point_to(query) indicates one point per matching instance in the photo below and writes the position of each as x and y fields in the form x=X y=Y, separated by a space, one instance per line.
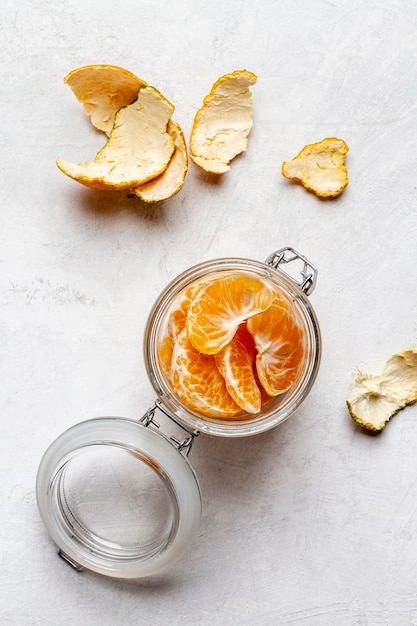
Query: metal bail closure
x=118 y=498
x=308 y=271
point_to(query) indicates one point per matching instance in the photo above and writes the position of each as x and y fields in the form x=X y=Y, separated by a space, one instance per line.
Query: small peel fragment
x=375 y=399
x=103 y=90
x=139 y=147
x=320 y=167
x=222 y=125
x=172 y=178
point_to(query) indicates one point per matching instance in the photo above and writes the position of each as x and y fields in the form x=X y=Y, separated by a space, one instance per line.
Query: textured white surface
x=314 y=523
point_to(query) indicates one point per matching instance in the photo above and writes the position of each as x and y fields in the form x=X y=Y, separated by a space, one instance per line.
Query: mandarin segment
x=165 y=350
x=235 y=363
x=198 y=383
x=218 y=309
x=180 y=307
x=279 y=342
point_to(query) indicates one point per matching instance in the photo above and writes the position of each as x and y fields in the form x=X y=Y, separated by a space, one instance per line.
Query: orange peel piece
x=320 y=167
x=139 y=147
x=375 y=399
x=222 y=125
x=171 y=181
x=103 y=90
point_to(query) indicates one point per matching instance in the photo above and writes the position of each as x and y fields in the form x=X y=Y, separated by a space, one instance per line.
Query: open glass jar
x=119 y=497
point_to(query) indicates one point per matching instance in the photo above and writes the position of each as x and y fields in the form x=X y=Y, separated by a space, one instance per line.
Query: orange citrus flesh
x=197 y=381
x=265 y=397
x=279 y=343
x=219 y=307
x=165 y=349
x=235 y=364
x=251 y=345
x=180 y=307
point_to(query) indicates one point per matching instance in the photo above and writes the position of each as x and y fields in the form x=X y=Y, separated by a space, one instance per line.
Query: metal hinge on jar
x=183 y=445
x=308 y=271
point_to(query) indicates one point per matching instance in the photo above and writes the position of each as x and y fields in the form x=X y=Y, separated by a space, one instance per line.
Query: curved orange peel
x=139 y=147
x=103 y=90
x=320 y=167
x=222 y=125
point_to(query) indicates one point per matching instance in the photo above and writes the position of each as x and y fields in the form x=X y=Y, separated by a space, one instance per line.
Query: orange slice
x=219 y=307
x=180 y=307
x=165 y=350
x=235 y=363
x=103 y=90
x=265 y=397
x=198 y=383
x=280 y=345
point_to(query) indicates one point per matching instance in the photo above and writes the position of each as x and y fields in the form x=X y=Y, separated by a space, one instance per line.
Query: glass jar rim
x=293 y=399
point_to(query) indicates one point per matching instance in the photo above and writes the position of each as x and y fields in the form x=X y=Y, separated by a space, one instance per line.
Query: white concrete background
x=315 y=522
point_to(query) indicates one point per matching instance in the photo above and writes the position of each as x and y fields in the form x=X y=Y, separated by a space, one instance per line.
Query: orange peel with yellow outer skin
x=139 y=147
x=222 y=125
x=376 y=398
x=103 y=90
x=320 y=167
x=171 y=181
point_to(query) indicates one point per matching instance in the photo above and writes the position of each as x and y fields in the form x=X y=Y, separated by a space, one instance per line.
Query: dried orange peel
x=231 y=344
x=320 y=167
x=375 y=399
x=103 y=90
x=146 y=151
x=139 y=147
x=170 y=182
x=222 y=125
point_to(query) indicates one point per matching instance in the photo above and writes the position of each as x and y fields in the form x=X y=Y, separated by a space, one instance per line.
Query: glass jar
x=118 y=496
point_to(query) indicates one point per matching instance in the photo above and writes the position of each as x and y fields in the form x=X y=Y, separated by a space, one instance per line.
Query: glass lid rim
x=179 y=475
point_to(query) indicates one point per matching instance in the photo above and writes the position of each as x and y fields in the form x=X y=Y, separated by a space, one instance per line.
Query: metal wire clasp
x=184 y=445
x=308 y=271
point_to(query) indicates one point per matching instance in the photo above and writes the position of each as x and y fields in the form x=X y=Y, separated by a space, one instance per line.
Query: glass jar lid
x=118 y=498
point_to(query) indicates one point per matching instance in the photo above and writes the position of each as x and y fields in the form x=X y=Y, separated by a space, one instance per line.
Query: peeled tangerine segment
x=320 y=167
x=279 y=342
x=171 y=181
x=180 y=307
x=219 y=307
x=235 y=363
x=375 y=399
x=197 y=381
x=103 y=90
x=139 y=147
x=221 y=127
